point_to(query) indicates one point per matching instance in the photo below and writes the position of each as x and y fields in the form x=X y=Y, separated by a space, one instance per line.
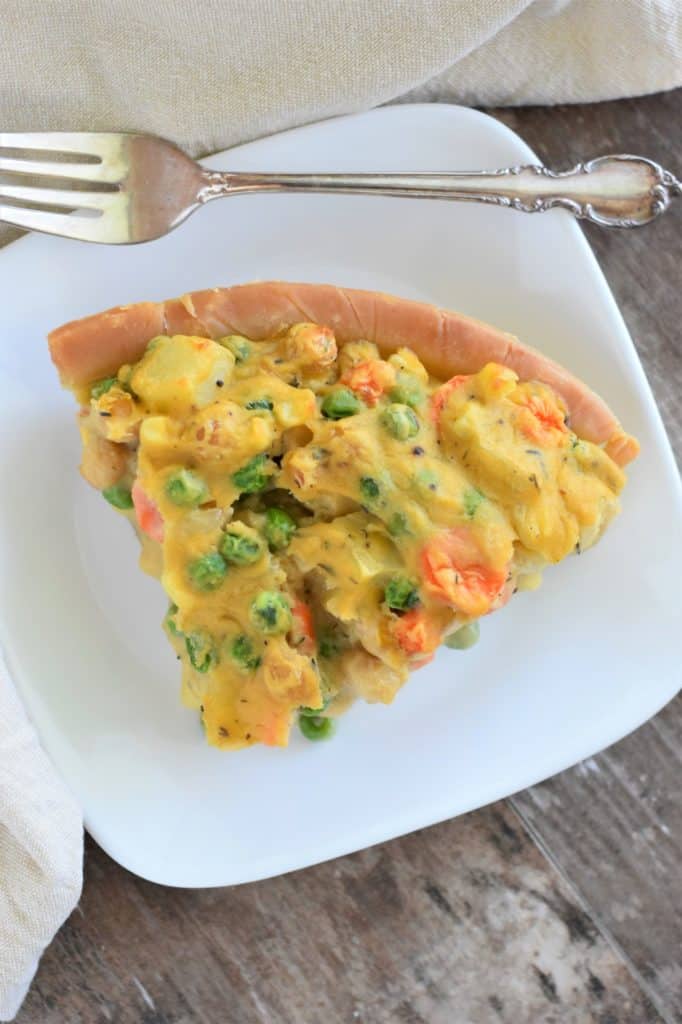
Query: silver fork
x=121 y=188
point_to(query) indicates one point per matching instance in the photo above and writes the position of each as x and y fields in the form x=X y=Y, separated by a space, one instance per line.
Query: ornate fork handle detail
x=622 y=190
x=658 y=187
x=123 y=188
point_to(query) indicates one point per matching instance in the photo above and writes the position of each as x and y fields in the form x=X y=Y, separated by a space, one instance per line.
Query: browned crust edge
x=447 y=342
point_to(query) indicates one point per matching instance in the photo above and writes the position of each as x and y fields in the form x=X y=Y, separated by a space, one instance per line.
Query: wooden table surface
x=561 y=904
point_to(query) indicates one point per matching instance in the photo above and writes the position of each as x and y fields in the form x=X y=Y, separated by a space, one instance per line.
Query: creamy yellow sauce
x=414 y=506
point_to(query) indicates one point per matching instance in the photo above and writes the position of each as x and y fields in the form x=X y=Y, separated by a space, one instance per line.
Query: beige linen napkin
x=209 y=74
x=41 y=850
x=212 y=73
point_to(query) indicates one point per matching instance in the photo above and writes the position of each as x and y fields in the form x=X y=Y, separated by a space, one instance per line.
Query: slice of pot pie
x=330 y=484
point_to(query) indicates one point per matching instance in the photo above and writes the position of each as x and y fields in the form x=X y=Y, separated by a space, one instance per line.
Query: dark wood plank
x=464 y=922
x=613 y=825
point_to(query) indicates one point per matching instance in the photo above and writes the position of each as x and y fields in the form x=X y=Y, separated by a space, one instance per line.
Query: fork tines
x=65 y=159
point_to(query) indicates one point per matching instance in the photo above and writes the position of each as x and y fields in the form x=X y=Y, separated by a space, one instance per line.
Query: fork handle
x=621 y=191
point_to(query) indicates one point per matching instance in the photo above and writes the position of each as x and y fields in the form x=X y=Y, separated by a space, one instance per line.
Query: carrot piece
x=454 y=572
x=274 y=731
x=417 y=634
x=370 y=379
x=147 y=512
x=542 y=421
x=441 y=394
x=302 y=632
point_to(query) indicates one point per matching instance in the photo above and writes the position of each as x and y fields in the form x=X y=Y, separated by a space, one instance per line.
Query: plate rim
x=340 y=844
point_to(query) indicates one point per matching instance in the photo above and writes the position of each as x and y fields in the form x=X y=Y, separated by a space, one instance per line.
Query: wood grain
x=464 y=922
x=561 y=905
x=613 y=825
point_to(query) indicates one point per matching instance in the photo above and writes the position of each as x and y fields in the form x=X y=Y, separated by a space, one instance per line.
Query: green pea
x=260 y=403
x=369 y=488
x=270 y=612
x=465 y=637
x=100 y=387
x=208 y=571
x=471 y=499
x=407 y=390
x=238 y=346
x=252 y=477
x=279 y=528
x=169 y=621
x=400 y=421
x=119 y=496
x=238 y=549
x=330 y=643
x=186 y=488
x=244 y=653
x=397 y=525
x=316 y=727
x=401 y=594
x=201 y=650
x=340 y=403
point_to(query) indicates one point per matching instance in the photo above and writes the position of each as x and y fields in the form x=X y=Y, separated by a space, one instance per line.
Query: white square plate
x=557 y=675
